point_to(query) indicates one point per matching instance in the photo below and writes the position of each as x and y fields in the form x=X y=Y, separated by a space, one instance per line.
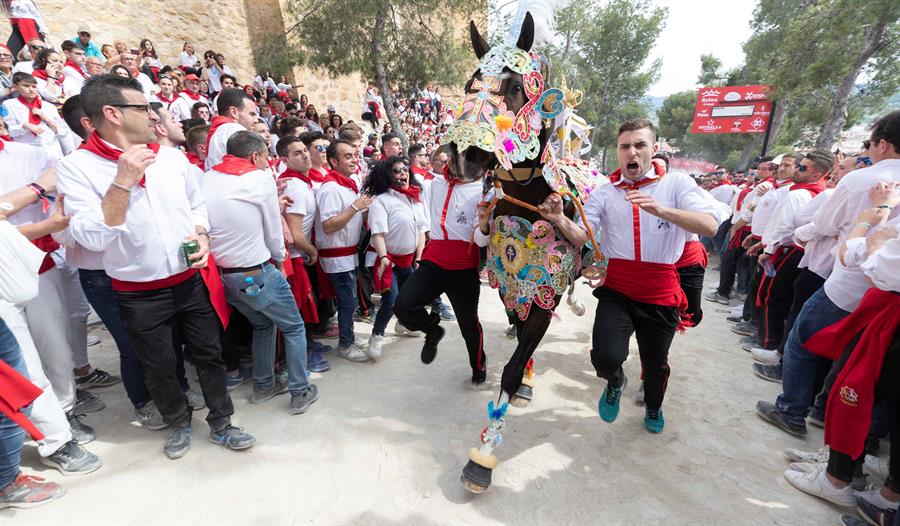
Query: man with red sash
x=248 y=243
x=643 y=218
x=762 y=204
x=188 y=97
x=338 y=228
x=237 y=112
x=31 y=121
x=301 y=217
x=135 y=202
x=74 y=69
x=449 y=266
x=777 y=293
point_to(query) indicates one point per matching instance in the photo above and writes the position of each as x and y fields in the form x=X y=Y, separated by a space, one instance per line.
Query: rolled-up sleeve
x=695 y=199
x=195 y=198
x=883 y=267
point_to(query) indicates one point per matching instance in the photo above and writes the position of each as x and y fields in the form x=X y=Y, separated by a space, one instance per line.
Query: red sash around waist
x=694 y=254
x=453 y=254
x=653 y=283
x=384 y=282
x=738 y=237
x=337 y=252
x=156 y=284
x=302 y=289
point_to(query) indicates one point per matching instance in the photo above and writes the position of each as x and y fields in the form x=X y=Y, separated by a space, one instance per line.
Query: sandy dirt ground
x=386 y=442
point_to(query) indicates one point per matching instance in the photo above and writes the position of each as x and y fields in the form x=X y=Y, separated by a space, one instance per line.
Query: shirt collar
x=651 y=174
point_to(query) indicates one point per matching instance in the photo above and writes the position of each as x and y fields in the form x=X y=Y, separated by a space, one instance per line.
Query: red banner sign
x=732 y=109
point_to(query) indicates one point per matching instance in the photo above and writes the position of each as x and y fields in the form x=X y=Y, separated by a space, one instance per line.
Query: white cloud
x=695 y=27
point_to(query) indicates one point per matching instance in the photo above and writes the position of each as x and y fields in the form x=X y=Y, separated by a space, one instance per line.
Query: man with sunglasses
x=136 y=202
x=35 y=45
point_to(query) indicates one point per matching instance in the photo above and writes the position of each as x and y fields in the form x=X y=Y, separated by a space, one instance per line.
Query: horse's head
x=500 y=120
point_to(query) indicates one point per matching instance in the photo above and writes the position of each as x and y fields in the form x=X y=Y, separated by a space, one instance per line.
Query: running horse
x=504 y=125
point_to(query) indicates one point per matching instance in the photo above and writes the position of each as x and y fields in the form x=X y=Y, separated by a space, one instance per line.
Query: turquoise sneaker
x=654 y=421
x=609 y=402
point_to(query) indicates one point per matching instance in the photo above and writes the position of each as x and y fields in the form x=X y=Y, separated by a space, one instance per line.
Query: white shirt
x=17 y=116
x=20 y=165
x=185 y=59
x=846 y=286
x=215 y=78
x=780 y=230
x=167 y=105
x=750 y=202
x=74 y=80
x=883 y=267
x=244 y=218
x=217 y=142
x=331 y=200
x=611 y=217
x=400 y=220
x=453 y=213
x=765 y=208
x=146 y=85
x=25 y=66
x=734 y=202
x=160 y=215
x=818 y=253
x=181 y=108
x=723 y=193
x=304 y=198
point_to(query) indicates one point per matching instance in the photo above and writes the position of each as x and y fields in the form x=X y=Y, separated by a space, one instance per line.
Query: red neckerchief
x=616 y=176
x=42 y=74
x=136 y=74
x=779 y=184
x=5 y=138
x=100 y=148
x=316 y=175
x=721 y=183
x=412 y=192
x=232 y=165
x=35 y=103
x=194 y=159
x=346 y=182
x=742 y=195
x=449 y=178
x=814 y=188
x=77 y=68
x=214 y=125
x=2 y=140
x=163 y=99
x=293 y=174
x=423 y=172
x=193 y=96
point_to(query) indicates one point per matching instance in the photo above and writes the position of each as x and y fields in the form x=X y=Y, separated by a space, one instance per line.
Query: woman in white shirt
x=398 y=222
x=187 y=61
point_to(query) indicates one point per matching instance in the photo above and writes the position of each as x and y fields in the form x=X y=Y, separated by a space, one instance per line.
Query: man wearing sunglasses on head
x=35 y=45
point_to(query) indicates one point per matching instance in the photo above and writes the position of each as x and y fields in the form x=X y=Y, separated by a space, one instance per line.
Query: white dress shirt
x=160 y=216
x=74 y=80
x=750 y=202
x=21 y=165
x=765 y=208
x=818 y=253
x=612 y=218
x=400 y=220
x=846 y=286
x=146 y=85
x=181 y=108
x=304 y=198
x=331 y=200
x=723 y=193
x=883 y=266
x=244 y=218
x=780 y=229
x=217 y=142
x=453 y=212
x=17 y=116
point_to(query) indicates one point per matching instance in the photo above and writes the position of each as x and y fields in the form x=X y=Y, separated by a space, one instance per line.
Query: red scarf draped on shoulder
x=316 y=175
x=42 y=74
x=849 y=409
x=194 y=159
x=77 y=68
x=422 y=172
x=167 y=101
x=293 y=174
x=33 y=105
x=214 y=125
x=346 y=182
x=191 y=95
x=210 y=274
x=233 y=165
x=412 y=192
x=813 y=188
x=616 y=176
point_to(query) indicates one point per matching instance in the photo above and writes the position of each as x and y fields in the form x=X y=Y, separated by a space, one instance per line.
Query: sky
x=695 y=27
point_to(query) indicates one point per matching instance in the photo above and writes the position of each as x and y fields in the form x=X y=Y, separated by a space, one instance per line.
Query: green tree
x=403 y=44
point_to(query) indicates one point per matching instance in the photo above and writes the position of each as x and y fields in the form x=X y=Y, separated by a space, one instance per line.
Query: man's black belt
x=237 y=270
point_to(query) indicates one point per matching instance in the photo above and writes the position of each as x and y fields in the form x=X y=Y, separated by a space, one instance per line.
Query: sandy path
x=386 y=442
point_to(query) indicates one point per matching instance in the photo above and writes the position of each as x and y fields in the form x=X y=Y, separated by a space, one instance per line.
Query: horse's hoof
x=519 y=402
x=475 y=477
x=523 y=396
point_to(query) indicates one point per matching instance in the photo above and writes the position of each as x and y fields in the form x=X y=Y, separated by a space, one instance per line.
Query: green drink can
x=189 y=248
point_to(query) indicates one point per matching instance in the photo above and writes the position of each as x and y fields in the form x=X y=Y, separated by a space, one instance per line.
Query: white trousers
x=46 y=412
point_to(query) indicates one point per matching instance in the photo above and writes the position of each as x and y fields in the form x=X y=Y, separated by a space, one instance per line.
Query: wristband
x=122 y=186
x=867 y=225
x=353 y=206
x=42 y=196
x=383 y=257
x=886 y=207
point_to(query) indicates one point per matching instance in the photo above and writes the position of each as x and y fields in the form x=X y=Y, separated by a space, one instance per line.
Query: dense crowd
x=233 y=227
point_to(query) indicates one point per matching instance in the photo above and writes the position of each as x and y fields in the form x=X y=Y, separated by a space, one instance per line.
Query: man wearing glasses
x=35 y=45
x=135 y=202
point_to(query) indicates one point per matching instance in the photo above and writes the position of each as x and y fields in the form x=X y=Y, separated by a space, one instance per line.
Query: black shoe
x=432 y=338
x=86 y=402
x=735 y=319
x=745 y=329
x=875 y=514
x=770 y=414
x=771 y=373
x=479 y=376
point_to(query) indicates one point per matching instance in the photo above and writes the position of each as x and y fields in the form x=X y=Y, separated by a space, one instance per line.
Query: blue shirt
x=90 y=49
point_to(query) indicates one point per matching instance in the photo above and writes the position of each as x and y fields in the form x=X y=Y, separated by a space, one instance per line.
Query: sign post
x=732 y=109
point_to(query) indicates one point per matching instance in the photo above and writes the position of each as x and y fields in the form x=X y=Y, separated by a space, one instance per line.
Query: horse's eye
x=516 y=88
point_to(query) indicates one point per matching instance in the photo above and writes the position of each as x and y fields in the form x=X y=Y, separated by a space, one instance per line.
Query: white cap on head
x=777 y=160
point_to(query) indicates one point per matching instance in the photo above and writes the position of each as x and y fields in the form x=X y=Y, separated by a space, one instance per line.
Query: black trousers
x=237 y=342
x=617 y=318
x=149 y=317
x=728 y=268
x=751 y=311
x=780 y=298
x=841 y=465
x=529 y=334
x=364 y=283
x=692 y=285
x=462 y=287
x=806 y=284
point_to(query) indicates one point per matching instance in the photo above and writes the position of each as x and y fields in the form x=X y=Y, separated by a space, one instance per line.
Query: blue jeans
x=386 y=309
x=801 y=370
x=345 y=286
x=273 y=307
x=11 y=435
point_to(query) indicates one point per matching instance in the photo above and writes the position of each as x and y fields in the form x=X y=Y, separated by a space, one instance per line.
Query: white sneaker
x=764 y=356
x=798 y=455
x=737 y=311
x=874 y=497
x=400 y=330
x=374 y=350
x=92 y=340
x=804 y=467
x=816 y=483
x=352 y=353
x=875 y=466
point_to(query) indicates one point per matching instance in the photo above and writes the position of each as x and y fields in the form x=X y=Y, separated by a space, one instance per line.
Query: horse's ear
x=526 y=34
x=479 y=44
